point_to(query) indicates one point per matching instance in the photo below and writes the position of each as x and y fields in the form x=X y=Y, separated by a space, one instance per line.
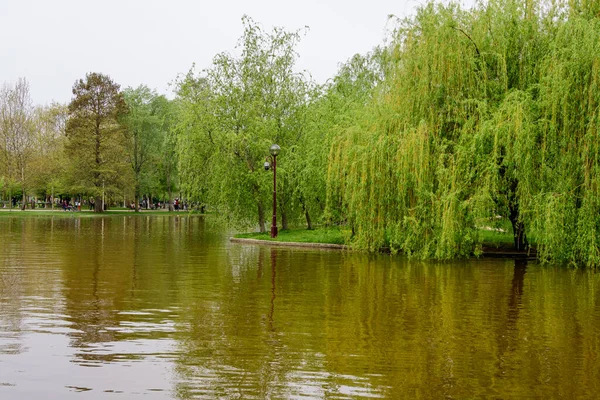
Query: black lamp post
x=274 y=150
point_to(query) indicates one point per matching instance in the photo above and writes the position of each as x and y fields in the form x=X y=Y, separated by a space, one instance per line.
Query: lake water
x=166 y=307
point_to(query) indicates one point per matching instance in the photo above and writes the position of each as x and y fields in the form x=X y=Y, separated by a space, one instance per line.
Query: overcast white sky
x=52 y=43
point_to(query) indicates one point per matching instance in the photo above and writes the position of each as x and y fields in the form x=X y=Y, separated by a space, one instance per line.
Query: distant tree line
x=461 y=119
x=106 y=141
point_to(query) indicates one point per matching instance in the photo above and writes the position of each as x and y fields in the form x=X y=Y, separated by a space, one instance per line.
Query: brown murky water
x=165 y=307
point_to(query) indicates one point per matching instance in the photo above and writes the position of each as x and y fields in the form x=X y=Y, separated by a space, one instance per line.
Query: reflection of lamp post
x=274 y=150
x=273 y=272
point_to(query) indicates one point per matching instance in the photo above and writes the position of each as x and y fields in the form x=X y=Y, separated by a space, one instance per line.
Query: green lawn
x=502 y=239
x=491 y=238
x=496 y=239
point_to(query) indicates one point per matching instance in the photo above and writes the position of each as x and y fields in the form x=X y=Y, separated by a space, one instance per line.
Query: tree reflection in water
x=185 y=311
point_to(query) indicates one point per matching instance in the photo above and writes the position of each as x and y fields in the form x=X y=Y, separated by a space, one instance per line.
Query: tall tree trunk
x=307 y=215
x=170 y=191
x=519 y=237
x=261 y=217
x=23 y=186
x=136 y=202
x=98 y=204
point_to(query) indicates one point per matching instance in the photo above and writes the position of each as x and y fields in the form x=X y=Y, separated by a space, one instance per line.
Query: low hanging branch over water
x=483 y=113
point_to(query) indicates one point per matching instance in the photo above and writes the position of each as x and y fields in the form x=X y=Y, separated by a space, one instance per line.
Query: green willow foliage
x=493 y=111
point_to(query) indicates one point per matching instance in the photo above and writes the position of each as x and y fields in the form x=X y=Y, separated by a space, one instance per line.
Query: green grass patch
x=500 y=236
x=503 y=240
x=334 y=235
x=320 y=235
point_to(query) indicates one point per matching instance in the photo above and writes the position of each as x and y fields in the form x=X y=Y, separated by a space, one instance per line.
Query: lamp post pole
x=274 y=223
x=274 y=150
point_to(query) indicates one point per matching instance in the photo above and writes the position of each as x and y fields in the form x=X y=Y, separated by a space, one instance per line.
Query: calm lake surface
x=166 y=307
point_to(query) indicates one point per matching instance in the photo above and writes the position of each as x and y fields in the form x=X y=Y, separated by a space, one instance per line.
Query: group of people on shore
x=77 y=204
x=144 y=204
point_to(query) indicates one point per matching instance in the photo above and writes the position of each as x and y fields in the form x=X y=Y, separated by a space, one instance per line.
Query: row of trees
x=209 y=142
x=464 y=116
x=106 y=141
x=119 y=138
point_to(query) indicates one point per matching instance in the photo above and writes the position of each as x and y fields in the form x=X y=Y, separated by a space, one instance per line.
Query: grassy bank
x=494 y=239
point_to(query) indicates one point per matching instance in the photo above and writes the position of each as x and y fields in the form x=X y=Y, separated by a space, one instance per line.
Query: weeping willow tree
x=487 y=112
x=332 y=108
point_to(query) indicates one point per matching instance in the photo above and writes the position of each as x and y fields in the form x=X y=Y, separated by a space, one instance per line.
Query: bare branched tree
x=17 y=131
